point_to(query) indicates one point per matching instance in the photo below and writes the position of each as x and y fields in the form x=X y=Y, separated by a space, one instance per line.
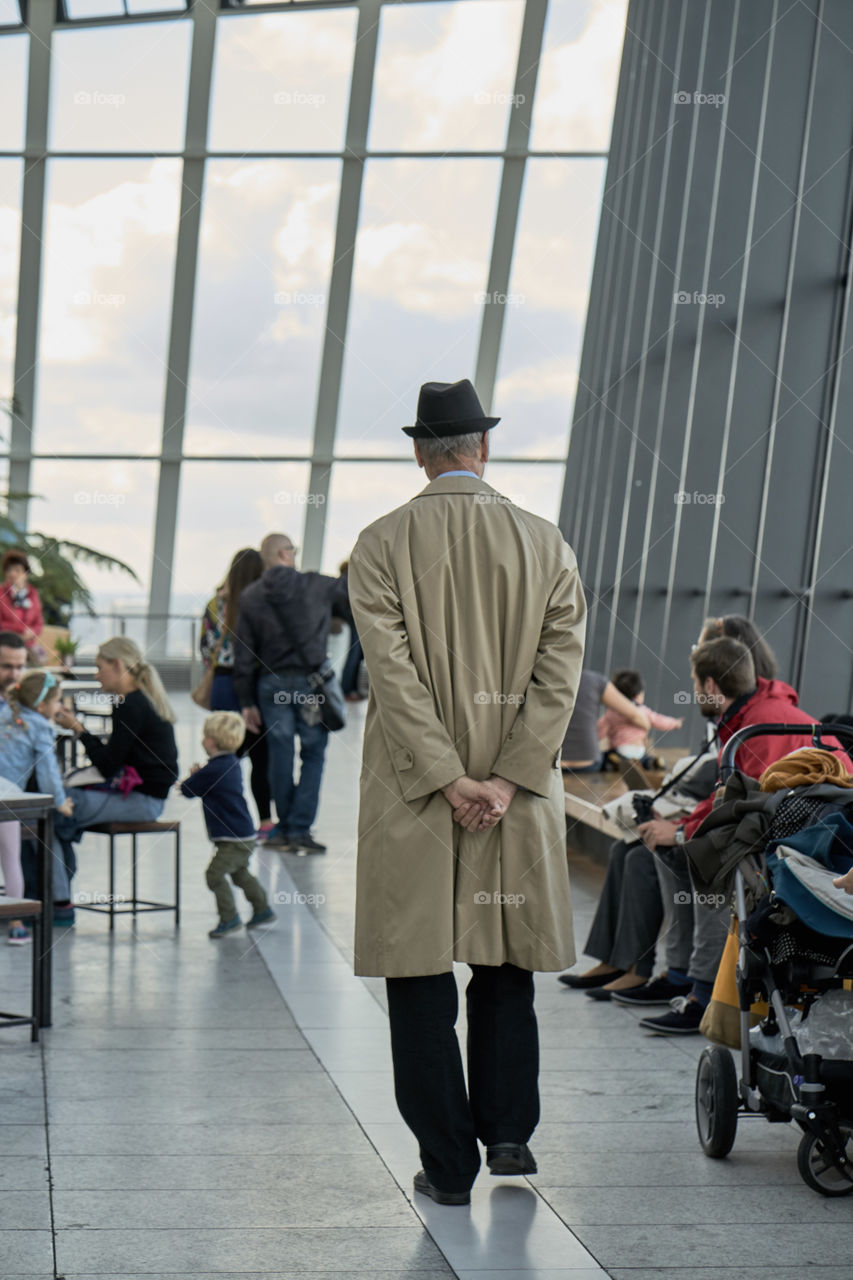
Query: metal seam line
x=509 y=200
x=620 y=194
x=614 y=377
x=641 y=374
x=589 y=381
x=697 y=349
x=31 y=256
x=340 y=283
x=741 y=311
x=783 y=335
x=183 y=305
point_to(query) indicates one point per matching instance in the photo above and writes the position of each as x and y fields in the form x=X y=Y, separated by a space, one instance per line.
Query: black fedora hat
x=448 y=409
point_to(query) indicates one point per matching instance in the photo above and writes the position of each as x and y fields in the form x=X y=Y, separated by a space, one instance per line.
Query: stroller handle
x=817 y=731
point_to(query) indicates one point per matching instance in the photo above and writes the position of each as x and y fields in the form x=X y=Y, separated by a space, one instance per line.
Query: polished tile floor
x=225 y=1109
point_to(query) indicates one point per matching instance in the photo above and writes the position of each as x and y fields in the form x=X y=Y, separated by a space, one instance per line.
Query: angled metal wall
x=711 y=461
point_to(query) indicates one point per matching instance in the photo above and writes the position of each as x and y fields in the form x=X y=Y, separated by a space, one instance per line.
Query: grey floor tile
x=647 y=1136
x=23 y=1173
x=135 y=1061
x=198 y=1039
x=731 y=1273
x=372 y=1201
x=210 y=1138
x=390 y=1274
x=667 y=1169
x=312 y=1173
x=739 y=1246
x=27 y=1252
x=737 y=1205
x=193 y=1251
x=23 y=1140
x=25 y=1210
x=307 y=1099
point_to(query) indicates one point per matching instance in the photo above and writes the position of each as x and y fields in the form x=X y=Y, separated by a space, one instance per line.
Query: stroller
x=796 y=1065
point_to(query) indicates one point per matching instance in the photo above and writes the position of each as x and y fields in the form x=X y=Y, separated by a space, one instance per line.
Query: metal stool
x=16 y=909
x=136 y=905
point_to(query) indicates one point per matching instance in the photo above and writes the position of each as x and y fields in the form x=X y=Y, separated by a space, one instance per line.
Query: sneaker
x=19 y=936
x=264 y=828
x=261 y=917
x=277 y=839
x=306 y=843
x=656 y=991
x=63 y=917
x=683 y=1020
x=226 y=926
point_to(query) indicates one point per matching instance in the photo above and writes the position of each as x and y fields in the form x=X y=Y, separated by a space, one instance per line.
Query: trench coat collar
x=455 y=484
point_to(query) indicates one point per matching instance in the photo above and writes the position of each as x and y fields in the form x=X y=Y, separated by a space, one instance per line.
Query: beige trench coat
x=472 y=618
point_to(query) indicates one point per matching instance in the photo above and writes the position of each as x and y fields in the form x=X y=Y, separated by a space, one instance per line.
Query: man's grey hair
x=449 y=448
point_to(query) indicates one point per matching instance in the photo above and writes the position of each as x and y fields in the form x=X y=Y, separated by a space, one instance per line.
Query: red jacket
x=774 y=702
x=14 y=619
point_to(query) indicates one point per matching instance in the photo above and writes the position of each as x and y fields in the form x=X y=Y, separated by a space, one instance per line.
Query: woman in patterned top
x=220 y=618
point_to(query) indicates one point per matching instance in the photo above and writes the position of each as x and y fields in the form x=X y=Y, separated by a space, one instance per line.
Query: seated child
x=27 y=743
x=624 y=739
x=219 y=785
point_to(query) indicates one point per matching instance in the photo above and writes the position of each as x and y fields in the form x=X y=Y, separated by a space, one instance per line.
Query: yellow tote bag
x=721 y=1020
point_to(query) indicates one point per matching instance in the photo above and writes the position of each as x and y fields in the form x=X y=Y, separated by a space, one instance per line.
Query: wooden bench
x=135 y=905
x=588 y=830
x=16 y=909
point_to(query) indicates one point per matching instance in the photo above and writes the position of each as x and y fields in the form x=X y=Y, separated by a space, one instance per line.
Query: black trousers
x=502 y=1101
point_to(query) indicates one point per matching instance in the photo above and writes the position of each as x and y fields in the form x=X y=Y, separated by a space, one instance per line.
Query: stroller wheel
x=716 y=1102
x=816 y=1168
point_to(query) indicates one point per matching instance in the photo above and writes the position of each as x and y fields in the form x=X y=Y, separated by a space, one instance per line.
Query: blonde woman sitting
x=139 y=762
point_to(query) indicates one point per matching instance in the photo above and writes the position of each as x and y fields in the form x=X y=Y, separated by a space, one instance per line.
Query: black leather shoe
x=597 y=993
x=579 y=983
x=425 y=1187
x=507 y=1158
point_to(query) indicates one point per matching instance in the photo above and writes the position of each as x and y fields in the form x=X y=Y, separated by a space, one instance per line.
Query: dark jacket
x=739 y=824
x=264 y=642
x=219 y=784
x=773 y=702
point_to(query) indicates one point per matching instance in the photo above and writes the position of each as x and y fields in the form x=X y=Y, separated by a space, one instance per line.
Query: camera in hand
x=643 y=808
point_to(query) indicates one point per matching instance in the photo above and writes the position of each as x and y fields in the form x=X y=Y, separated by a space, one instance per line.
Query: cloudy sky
x=444 y=78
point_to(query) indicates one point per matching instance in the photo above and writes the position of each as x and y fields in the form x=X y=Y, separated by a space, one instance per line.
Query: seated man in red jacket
x=728 y=692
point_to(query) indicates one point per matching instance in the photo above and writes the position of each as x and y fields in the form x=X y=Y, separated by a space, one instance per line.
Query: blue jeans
x=280 y=701
x=91 y=807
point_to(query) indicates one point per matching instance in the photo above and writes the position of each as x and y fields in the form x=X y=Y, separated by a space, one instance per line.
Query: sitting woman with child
x=27 y=745
x=621 y=737
x=139 y=761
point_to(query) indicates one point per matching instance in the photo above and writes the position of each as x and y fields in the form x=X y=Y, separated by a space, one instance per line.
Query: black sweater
x=139 y=738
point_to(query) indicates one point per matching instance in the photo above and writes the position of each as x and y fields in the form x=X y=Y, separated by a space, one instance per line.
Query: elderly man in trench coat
x=472 y=619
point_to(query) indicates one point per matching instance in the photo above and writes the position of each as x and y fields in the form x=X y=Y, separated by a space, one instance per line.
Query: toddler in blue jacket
x=219 y=786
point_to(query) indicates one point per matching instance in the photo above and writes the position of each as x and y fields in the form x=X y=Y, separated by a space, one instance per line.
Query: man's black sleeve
x=245 y=660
